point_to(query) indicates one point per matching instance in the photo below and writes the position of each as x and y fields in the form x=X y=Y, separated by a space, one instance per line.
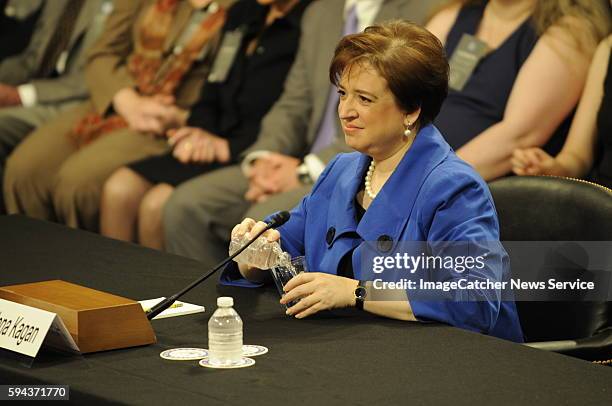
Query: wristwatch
x=360 y=295
x=303 y=175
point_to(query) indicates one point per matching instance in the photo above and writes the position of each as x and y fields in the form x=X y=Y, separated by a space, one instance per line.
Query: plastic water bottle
x=262 y=254
x=225 y=333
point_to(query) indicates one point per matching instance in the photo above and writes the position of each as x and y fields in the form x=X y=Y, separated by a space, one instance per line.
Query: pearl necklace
x=368 y=181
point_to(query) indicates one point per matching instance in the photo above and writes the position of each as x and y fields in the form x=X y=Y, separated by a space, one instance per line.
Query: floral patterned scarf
x=152 y=73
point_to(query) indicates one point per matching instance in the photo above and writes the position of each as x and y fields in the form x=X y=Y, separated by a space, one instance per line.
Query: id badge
x=466 y=57
x=226 y=55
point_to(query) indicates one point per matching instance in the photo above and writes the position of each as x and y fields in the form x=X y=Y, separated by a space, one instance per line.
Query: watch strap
x=360 y=294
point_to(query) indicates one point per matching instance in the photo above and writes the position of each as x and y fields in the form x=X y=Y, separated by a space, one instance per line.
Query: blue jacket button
x=329 y=237
x=384 y=243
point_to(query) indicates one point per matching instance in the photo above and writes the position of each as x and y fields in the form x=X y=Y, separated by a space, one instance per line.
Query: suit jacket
x=432 y=197
x=107 y=72
x=291 y=126
x=19 y=9
x=70 y=84
x=17 y=21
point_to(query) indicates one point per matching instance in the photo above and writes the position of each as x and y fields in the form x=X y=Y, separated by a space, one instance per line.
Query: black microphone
x=277 y=220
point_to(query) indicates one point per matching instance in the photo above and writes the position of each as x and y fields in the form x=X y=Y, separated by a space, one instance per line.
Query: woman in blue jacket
x=404 y=185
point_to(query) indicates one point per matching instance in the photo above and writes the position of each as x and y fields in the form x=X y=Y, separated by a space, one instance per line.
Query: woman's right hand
x=147 y=114
x=247 y=229
x=534 y=161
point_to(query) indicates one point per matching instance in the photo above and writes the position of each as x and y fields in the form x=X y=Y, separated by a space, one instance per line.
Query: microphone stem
x=166 y=303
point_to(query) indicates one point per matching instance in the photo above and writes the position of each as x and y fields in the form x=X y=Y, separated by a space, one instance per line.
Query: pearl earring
x=408 y=131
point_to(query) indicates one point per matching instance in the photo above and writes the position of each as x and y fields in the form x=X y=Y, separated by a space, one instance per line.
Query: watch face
x=360 y=292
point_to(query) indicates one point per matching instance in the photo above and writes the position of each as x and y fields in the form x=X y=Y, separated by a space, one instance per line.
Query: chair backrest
x=542 y=208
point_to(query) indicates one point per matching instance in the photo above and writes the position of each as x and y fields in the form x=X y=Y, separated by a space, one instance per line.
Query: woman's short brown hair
x=410 y=58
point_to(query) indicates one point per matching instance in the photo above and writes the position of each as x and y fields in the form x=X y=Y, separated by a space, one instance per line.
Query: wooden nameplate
x=97 y=321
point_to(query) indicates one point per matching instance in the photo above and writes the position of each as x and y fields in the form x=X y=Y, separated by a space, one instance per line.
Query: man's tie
x=327 y=129
x=60 y=39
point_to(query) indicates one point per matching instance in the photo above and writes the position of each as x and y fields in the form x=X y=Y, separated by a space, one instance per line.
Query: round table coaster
x=184 y=354
x=253 y=350
x=242 y=363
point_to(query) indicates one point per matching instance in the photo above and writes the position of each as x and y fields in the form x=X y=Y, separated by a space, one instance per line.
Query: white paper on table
x=181 y=309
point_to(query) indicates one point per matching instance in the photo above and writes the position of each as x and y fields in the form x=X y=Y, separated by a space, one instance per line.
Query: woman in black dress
x=257 y=49
x=517 y=71
x=589 y=143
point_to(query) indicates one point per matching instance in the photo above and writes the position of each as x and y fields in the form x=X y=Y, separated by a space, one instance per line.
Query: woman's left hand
x=192 y=144
x=318 y=291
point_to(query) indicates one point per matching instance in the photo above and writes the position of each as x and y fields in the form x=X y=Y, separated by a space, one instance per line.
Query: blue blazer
x=432 y=197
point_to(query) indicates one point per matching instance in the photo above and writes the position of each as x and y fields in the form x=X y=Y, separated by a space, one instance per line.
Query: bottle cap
x=225 y=301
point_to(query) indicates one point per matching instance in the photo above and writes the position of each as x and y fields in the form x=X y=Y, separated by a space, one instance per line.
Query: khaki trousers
x=48 y=177
x=16 y=123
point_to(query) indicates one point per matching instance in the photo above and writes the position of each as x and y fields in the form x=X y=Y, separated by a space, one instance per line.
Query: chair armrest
x=598 y=346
